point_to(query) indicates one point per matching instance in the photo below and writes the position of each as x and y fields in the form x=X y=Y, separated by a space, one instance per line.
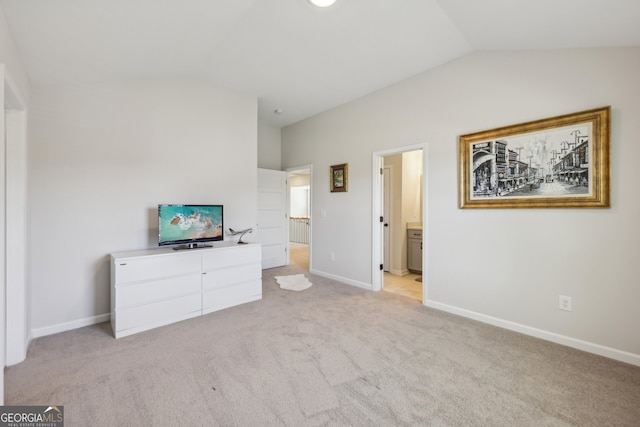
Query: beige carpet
x=333 y=355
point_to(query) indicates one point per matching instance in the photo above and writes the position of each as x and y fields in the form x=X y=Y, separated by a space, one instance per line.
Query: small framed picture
x=339 y=177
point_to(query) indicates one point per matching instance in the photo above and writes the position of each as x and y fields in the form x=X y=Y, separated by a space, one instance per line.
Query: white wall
x=299 y=201
x=269 y=146
x=14 y=70
x=411 y=187
x=299 y=180
x=102 y=157
x=509 y=265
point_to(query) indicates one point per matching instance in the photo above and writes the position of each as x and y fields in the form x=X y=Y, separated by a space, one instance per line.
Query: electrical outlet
x=332 y=256
x=564 y=303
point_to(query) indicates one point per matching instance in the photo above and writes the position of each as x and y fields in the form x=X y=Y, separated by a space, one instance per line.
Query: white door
x=273 y=230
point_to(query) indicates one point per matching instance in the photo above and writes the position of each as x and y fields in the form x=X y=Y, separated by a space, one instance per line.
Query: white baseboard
x=63 y=327
x=341 y=279
x=611 y=353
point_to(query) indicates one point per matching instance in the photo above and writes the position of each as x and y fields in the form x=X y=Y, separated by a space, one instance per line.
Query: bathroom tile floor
x=403 y=285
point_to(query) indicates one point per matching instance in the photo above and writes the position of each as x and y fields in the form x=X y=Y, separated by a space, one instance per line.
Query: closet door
x=273 y=231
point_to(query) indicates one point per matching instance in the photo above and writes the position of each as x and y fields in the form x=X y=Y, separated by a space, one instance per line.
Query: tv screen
x=192 y=224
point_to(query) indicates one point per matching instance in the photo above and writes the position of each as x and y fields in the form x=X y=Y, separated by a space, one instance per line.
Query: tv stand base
x=191 y=246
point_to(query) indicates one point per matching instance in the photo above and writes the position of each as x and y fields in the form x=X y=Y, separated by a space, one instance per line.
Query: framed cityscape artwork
x=559 y=162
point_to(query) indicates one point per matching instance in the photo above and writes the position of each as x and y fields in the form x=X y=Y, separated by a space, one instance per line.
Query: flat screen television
x=189 y=225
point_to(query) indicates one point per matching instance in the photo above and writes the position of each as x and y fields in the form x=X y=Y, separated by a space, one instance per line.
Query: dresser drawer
x=145 y=292
x=414 y=234
x=157 y=314
x=146 y=268
x=217 y=299
x=230 y=256
x=224 y=277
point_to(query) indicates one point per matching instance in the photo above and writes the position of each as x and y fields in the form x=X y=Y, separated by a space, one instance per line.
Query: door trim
x=16 y=329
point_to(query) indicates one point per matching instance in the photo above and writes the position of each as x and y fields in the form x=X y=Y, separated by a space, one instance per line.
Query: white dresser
x=156 y=287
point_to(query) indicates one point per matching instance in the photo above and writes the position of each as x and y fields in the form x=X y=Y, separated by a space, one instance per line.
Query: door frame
x=15 y=333
x=293 y=169
x=377 y=244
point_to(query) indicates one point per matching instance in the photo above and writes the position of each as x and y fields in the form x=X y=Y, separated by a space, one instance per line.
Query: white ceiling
x=289 y=54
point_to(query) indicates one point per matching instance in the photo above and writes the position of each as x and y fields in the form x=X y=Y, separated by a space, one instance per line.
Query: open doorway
x=299 y=183
x=399 y=196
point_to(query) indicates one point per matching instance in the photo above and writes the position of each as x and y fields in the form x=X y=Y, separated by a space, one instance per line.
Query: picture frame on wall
x=339 y=177
x=558 y=162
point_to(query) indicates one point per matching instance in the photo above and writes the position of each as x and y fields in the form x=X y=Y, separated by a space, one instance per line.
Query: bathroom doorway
x=400 y=191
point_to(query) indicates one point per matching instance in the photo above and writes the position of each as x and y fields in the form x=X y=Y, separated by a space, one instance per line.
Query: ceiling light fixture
x=322 y=3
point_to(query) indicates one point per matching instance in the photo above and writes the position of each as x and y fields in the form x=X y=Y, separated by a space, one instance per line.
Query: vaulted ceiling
x=291 y=55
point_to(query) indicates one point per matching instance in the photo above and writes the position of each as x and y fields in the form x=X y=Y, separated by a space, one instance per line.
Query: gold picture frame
x=559 y=162
x=339 y=177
